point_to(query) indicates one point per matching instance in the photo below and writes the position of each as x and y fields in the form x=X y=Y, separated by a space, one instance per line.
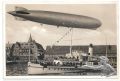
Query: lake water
x=20 y=69
x=16 y=69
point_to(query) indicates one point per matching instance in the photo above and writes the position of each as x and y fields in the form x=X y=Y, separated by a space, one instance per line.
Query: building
x=25 y=51
x=8 y=51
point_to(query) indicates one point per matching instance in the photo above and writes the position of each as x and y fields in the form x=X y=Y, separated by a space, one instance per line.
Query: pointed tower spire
x=30 y=38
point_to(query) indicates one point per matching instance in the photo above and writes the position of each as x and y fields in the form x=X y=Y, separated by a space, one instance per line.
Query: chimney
x=90 y=51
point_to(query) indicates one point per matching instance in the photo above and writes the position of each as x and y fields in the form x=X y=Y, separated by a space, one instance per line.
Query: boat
x=37 y=69
x=59 y=66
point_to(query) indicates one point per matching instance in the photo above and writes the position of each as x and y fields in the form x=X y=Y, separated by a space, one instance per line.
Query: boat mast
x=29 y=52
x=71 y=42
x=106 y=47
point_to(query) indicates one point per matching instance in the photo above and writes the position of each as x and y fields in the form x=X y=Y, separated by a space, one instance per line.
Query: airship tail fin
x=20 y=9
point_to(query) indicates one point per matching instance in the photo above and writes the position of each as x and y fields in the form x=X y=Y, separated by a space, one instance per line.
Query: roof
x=97 y=49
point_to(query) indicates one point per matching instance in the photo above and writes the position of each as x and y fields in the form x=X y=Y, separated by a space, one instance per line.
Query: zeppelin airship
x=56 y=18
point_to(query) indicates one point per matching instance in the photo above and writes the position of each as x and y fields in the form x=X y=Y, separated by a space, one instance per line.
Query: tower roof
x=30 y=39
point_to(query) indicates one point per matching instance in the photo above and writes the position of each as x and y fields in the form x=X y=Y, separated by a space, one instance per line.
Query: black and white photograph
x=61 y=40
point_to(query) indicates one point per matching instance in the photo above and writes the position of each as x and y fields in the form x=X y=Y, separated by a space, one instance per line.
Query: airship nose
x=96 y=22
x=92 y=23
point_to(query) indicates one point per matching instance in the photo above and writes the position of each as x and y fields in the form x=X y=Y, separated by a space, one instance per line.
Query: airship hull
x=59 y=19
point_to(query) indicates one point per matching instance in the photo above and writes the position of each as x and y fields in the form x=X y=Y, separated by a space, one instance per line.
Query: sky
x=19 y=31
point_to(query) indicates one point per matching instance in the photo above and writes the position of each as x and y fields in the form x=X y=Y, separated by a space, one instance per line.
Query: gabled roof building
x=20 y=51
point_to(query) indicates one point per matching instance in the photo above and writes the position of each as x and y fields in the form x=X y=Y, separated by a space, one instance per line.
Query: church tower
x=30 y=39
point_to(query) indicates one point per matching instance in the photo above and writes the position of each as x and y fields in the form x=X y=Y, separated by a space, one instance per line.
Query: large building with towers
x=20 y=51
